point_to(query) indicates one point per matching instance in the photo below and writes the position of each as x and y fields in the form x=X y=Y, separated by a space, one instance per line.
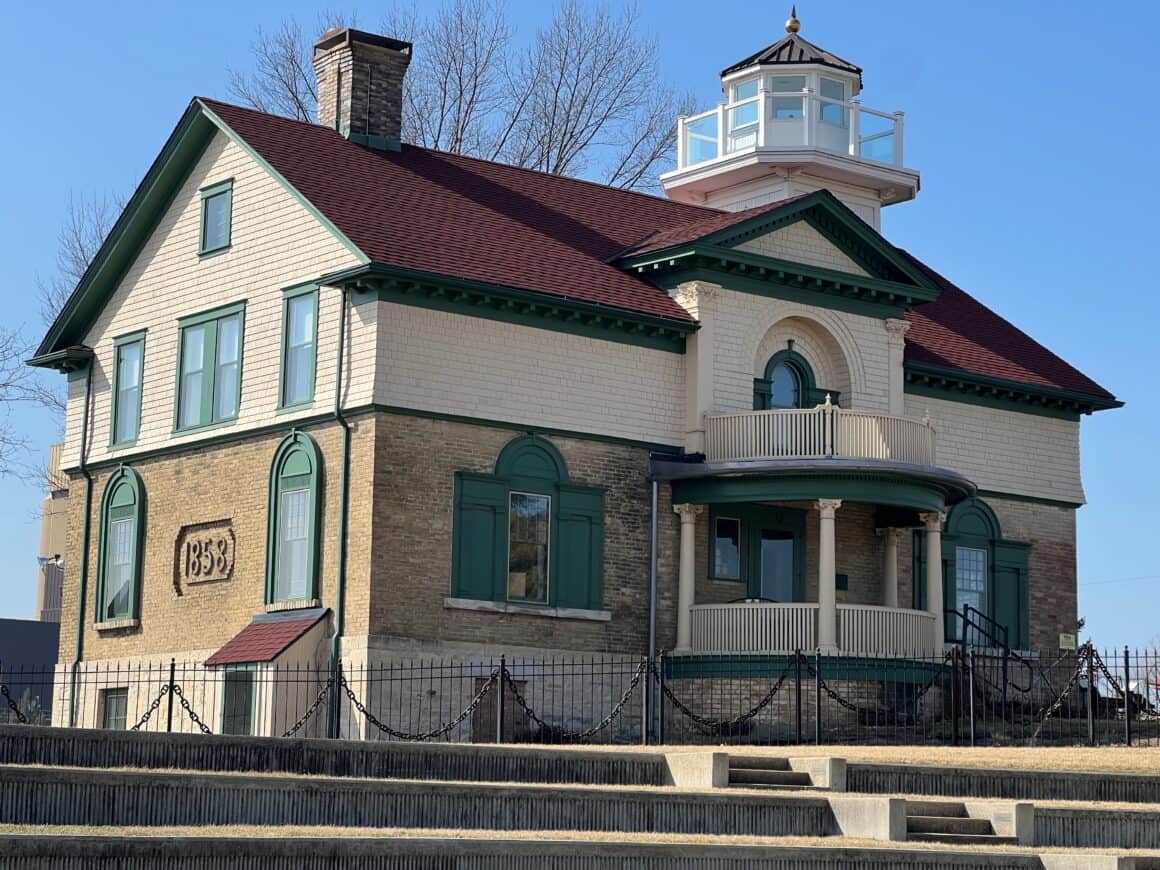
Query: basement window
x=238 y=698
x=114 y=707
x=216 y=208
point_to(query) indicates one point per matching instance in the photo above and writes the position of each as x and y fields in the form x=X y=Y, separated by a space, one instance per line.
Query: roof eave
x=1017 y=392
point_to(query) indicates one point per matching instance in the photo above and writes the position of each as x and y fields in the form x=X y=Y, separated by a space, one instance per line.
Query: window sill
x=296 y=407
x=527 y=609
x=296 y=604
x=204 y=427
x=111 y=624
x=213 y=252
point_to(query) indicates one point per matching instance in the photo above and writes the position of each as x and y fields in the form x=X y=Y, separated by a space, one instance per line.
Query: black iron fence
x=970 y=696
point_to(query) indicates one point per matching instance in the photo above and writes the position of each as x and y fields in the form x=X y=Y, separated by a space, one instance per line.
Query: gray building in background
x=28 y=651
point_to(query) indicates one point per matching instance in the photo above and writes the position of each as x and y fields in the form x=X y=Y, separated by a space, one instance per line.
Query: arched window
x=789 y=383
x=526 y=534
x=983 y=571
x=292 y=537
x=122 y=536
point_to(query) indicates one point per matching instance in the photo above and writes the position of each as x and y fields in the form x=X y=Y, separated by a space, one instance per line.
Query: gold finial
x=792 y=25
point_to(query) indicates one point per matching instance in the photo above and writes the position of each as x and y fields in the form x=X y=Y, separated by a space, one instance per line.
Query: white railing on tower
x=838 y=126
x=818 y=433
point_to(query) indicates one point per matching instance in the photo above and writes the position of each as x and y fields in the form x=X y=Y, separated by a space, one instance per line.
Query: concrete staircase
x=768 y=773
x=949 y=822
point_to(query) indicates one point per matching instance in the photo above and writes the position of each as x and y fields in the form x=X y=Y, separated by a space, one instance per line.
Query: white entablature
x=792 y=122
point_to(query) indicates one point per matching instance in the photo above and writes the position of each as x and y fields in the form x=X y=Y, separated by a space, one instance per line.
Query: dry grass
x=257 y=832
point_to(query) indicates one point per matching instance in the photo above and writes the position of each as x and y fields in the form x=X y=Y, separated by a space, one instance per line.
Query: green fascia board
x=833 y=219
x=956 y=385
x=141 y=215
x=881 y=488
x=511 y=305
x=67 y=361
x=770 y=666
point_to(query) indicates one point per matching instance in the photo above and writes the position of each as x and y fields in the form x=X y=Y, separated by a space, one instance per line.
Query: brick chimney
x=359 y=77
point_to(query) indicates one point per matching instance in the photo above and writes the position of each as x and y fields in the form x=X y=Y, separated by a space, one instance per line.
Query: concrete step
x=947 y=825
x=757 y=762
x=758 y=776
x=964 y=839
x=765 y=787
x=945 y=809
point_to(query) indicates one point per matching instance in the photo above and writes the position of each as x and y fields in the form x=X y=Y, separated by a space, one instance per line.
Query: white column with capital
x=934 y=580
x=896 y=344
x=890 y=567
x=827 y=578
x=687 y=572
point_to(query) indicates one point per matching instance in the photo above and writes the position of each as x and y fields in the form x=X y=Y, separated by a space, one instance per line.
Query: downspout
x=85 y=538
x=652 y=603
x=344 y=492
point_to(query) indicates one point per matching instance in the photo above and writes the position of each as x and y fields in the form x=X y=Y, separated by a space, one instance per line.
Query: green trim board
x=220 y=195
x=1029 y=499
x=210 y=322
x=770 y=666
x=297 y=467
x=884 y=488
x=144 y=211
x=482 y=531
x=753 y=521
x=123 y=499
x=289 y=294
x=119 y=344
x=375 y=282
x=956 y=385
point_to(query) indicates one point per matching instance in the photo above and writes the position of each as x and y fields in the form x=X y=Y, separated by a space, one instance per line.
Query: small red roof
x=264 y=639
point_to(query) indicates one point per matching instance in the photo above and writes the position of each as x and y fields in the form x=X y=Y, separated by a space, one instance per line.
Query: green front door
x=772 y=550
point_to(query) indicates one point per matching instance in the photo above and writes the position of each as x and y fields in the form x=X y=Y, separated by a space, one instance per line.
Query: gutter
x=86 y=535
x=344 y=500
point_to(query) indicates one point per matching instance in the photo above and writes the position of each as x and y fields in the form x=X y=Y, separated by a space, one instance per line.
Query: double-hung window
x=217 y=202
x=114 y=708
x=119 y=570
x=210 y=359
x=129 y=354
x=238 y=698
x=299 y=345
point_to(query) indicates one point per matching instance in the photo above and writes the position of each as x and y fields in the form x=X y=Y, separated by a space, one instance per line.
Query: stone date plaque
x=204 y=553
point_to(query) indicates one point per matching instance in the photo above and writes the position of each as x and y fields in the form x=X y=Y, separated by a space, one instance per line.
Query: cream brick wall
x=801 y=243
x=453 y=364
x=276 y=243
x=849 y=351
x=1005 y=451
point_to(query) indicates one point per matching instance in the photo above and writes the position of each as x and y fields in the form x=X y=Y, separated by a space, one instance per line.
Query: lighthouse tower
x=792 y=122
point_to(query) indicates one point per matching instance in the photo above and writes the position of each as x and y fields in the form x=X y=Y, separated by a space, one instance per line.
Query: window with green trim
x=238 y=700
x=299 y=346
x=216 y=215
x=526 y=533
x=122 y=537
x=789 y=383
x=295 y=502
x=114 y=708
x=129 y=355
x=209 y=383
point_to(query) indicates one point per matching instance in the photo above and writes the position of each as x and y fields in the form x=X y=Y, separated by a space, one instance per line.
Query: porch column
x=827 y=592
x=890 y=567
x=687 y=572
x=934 y=579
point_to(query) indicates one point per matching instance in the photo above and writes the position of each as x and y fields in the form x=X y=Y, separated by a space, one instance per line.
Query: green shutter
x=918 y=573
x=479 y=545
x=580 y=555
x=1010 y=593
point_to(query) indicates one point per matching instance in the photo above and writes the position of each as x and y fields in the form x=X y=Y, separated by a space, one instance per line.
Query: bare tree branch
x=86 y=223
x=19 y=385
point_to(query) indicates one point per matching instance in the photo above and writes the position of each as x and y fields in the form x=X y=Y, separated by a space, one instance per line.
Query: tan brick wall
x=229 y=481
x=415 y=463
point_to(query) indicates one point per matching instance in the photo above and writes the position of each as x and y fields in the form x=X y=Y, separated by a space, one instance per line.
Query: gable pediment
x=800 y=242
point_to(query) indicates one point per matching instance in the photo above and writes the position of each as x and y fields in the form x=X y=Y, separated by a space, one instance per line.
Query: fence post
x=661 y=699
x=645 y=711
x=956 y=690
x=817 y=697
x=169 y=713
x=1127 y=700
x=797 y=661
x=1091 y=694
x=499 y=704
x=971 y=689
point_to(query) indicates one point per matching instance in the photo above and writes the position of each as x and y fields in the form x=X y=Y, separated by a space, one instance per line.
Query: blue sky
x=1029 y=122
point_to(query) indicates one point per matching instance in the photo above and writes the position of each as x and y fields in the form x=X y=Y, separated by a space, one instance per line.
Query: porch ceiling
x=882 y=482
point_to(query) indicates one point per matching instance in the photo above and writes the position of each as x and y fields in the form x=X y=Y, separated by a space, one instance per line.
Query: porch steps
x=768 y=773
x=948 y=822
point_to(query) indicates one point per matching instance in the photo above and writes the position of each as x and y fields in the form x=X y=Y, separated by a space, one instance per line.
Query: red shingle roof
x=263 y=641
x=481 y=221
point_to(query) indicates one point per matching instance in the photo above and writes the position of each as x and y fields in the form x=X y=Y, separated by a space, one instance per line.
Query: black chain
x=20 y=717
x=310 y=710
x=1050 y=711
x=715 y=726
x=188 y=709
x=587 y=732
x=1107 y=675
x=152 y=708
x=918 y=696
x=842 y=702
x=424 y=735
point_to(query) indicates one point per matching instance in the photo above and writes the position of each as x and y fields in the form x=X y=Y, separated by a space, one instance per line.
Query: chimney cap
x=337 y=36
